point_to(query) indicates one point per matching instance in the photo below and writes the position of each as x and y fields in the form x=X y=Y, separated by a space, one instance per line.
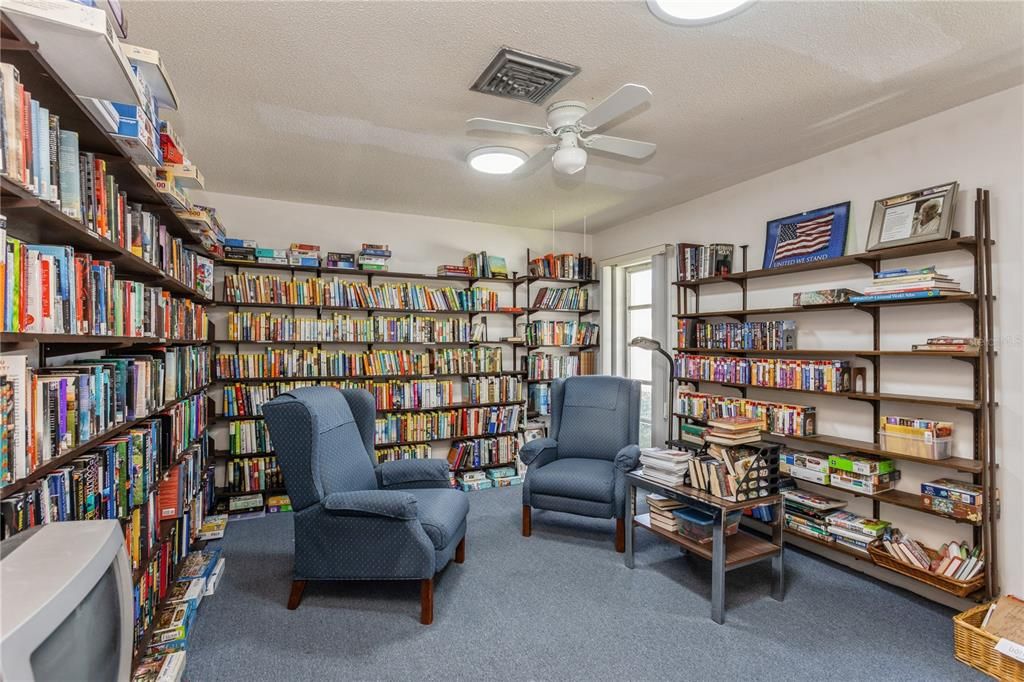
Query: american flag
x=797 y=239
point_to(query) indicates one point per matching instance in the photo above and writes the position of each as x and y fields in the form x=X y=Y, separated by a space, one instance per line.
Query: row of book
x=539 y=401
x=563 y=266
x=547 y=366
x=187 y=422
x=247 y=399
x=779 y=418
x=396 y=453
x=54 y=290
x=826 y=376
x=561 y=333
x=199 y=573
x=562 y=298
x=825 y=519
x=272 y=289
x=478 y=265
x=252 y=474
x=249 y=251
x=767 y=335
x=703 y=261
x=339 y=328
x=48 y=411
x=483 y=452
x=955 y=560
x=445 y=424
x=248 y=437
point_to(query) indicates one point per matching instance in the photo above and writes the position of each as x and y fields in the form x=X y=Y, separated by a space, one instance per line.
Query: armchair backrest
x=595 y=416
x=320 y=447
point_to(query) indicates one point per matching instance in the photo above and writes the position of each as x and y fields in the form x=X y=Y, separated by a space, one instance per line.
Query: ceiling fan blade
x=628 y=97
x=504 y=127
x=536 y=161
x=634 y=149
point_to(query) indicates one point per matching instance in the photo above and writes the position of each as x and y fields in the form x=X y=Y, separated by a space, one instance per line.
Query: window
x=639 y=322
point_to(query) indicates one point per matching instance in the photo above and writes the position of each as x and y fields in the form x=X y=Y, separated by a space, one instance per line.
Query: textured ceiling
x=363 y=104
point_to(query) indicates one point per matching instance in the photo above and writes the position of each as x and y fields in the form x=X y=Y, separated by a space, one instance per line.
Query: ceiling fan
x=572 y=126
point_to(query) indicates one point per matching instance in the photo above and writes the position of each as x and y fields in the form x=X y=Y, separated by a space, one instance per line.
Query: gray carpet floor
x=561 y=605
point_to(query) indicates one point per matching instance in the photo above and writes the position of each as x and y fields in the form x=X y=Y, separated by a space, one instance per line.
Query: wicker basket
x=957 y=587
x=977 y=648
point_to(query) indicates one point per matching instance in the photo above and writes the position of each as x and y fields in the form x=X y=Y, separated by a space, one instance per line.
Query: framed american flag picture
x=806 y=237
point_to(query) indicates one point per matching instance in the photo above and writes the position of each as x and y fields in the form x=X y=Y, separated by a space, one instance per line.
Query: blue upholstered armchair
x=581 y=467
x=356 y=519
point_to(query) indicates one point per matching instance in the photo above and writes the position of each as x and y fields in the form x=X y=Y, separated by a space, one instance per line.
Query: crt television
x=67 y=605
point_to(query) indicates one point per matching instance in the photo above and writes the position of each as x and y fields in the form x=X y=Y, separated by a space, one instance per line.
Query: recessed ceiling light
x=496 y=160
x=696 y=12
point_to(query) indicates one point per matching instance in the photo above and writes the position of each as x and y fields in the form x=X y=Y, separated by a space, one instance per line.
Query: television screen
x=87 y=640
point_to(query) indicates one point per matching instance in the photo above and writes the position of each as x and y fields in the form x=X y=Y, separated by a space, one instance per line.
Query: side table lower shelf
x=725 y=552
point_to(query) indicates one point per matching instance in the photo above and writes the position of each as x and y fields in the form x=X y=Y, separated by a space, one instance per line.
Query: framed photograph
x=807 y=237
x=921 y=216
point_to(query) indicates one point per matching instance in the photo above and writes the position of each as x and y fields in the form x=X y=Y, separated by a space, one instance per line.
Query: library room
x=548 y=340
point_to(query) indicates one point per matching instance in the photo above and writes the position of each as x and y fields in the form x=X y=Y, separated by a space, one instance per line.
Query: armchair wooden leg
x=296 y=596
x=620 y=535
x=427 y=601
x=460 y=551
x=527 y=521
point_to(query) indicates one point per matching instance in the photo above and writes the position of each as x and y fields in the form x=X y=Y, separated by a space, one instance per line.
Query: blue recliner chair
x=356 y=519
x=581 y=467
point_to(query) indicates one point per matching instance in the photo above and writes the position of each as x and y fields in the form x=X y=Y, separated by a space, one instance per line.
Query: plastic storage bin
x=922 y=447
x=697 y=525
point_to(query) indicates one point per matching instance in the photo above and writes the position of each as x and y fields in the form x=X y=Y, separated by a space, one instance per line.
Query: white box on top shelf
x=151 y=70
x=79 y=44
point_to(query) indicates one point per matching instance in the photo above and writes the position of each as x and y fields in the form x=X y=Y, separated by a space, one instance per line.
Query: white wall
x=978 y=144
x=418 y=244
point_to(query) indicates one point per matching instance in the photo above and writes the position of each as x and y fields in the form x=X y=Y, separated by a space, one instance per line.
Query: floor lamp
x=654 y=345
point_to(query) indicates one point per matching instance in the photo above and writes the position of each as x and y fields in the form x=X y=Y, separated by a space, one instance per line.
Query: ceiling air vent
x=519 y=75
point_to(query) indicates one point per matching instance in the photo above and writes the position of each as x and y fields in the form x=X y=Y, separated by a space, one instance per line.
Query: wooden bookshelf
x=741 y=548
x=981 y=406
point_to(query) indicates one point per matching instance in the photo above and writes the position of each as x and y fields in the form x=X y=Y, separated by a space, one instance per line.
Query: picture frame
x=923 y=215
x=807 y=237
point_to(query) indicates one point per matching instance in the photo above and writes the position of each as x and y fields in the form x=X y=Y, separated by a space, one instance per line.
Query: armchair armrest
x=532 y=451
x=627 y=458
x=413 y=473
x=389 y=503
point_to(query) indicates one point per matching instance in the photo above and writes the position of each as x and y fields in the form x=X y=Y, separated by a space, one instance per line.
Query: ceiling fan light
x=496 y=160
x=696 y=12
x=569 y=160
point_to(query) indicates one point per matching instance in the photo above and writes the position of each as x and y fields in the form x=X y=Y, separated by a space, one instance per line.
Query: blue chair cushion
x=581 y=478
x=442 y=512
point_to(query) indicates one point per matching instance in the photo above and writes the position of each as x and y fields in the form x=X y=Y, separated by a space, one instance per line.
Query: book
x=1005 y=619
x=213 y=527
x=161 y=667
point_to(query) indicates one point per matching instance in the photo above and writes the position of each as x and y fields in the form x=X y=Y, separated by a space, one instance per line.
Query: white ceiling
x=363 y=104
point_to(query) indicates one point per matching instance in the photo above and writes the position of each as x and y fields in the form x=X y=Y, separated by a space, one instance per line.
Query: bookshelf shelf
x=741 y=548
x=221 y=492
x=47 y=86
x=970 y=355
x=402 y=311
x=968 y=299
x=226 y=454
x=431 y=344
x=62 y=459
x=981 y=406
x=361 y=377
x=560 y=280
x=963 y=404
x=34 y=220
x=390 y=410
x=66 y=344
x=382 y=274
x=573 y=311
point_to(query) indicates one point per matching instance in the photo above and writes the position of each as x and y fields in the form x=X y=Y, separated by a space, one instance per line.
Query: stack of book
x=805 y=466
x=340 y=260
x=661 y=512
x=504 y=476
x=374 y=257
x=862 y=474
x=453 y=271
x=807 y=514
x=240 y=250
x=855 y=531
x=733 y=430
x=474 y=480
x=959 y=499
x=306 y=255
x=948 y=344
x=954 y=560
x=669 y=467
x=692 y=434
x=905 y=284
